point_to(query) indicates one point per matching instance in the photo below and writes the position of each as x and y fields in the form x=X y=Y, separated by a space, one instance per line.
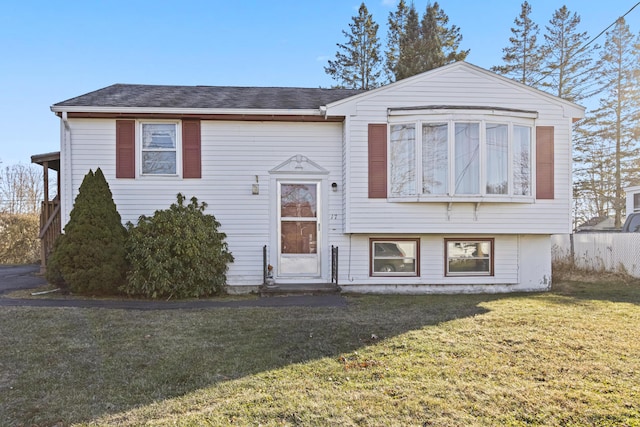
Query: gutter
x=62 y=109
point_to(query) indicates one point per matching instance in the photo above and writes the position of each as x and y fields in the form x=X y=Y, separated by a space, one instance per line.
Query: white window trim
x=419 y=117
x=139 y=157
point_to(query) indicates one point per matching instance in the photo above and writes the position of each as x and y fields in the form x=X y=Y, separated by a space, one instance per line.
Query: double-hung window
x=159 y=148
x=460 y=156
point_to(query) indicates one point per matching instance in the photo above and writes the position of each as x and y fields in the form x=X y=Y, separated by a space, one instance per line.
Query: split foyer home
x=449 y=181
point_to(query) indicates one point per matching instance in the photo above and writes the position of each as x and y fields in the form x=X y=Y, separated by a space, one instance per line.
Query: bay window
x=479 y=156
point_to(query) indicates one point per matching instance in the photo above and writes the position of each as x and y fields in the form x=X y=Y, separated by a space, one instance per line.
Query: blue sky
x=55 y=50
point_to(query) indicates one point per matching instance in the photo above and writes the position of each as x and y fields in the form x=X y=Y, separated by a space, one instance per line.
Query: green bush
x=90 y=255
x=19 y=243
x=177 y=253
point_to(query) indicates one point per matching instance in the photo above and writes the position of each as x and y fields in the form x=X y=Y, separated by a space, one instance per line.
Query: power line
x=594 y=38
x=606 y=29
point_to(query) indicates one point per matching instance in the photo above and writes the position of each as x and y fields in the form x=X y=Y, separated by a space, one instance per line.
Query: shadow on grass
x=75 y=365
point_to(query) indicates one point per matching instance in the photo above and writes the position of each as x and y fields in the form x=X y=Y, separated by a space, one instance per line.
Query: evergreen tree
x=397 y=22
x=616 y=118
x=428 y=43
x=441 y=40
x=523 y=58
x=357 y=64
x=568 y=68
x=90 y=255
x=411 y=47
x=433 y=56
x=593 y=185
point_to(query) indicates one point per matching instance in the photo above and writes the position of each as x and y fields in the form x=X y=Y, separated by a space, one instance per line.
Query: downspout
x=66 y=198
x=323 y=111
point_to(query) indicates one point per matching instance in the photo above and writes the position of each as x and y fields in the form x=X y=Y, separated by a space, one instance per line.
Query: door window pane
x=298 y=201
x=299 y=237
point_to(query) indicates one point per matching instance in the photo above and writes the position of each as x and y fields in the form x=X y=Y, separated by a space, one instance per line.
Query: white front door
x=299 y=229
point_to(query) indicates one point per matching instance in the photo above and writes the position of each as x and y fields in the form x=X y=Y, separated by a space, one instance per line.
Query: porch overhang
x=50 y=160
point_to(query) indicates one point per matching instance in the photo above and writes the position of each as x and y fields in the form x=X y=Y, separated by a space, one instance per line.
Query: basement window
x=394 y=257
x=469 y=257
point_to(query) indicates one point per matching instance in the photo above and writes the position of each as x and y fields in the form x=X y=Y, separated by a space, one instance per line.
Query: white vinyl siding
x=521 y=263
x=250 y=150
x=459 y=86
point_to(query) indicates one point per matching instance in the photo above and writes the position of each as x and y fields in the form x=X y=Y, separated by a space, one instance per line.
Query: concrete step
x=291 y=289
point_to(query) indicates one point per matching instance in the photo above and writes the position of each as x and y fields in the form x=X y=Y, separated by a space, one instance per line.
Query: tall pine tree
x=358 y=64
x=442 y=41
x=411 y=47
x=397 y=21
x=567 y=66
x=617 y=116
x=428 y=43
x=523 y=57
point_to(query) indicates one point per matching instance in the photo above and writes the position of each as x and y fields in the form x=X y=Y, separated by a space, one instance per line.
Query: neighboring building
x=449 y=181
x=633 y=199
x=597 y=223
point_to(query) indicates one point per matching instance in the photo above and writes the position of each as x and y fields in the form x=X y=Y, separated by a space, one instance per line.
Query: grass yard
x=570 y=357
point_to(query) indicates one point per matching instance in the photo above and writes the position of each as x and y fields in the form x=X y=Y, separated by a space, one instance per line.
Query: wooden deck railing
x=50 y=229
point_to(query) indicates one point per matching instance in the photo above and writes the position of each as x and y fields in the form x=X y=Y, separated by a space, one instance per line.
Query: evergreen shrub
x=177 y=253
x=90 y=256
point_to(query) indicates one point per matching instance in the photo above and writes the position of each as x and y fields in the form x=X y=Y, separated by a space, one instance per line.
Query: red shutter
x=191 y=158
x=125 y=149
x=377 y=161
x=544 y=162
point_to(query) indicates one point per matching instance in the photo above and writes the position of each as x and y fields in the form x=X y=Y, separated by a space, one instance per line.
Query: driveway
x=17 y=277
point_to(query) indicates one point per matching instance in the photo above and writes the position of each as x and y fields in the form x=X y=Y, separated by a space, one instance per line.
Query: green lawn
x=567 y=357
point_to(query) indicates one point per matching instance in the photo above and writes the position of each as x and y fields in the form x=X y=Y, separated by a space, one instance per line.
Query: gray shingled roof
x=128 y=95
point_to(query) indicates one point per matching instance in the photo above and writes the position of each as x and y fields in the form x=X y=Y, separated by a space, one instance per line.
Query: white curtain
x=403 y=159
x=435 y=158
x=467 y=158
x=497 y=158
x=521 y=161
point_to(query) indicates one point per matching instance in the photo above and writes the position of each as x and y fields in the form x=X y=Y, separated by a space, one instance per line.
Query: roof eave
x=186 y=111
